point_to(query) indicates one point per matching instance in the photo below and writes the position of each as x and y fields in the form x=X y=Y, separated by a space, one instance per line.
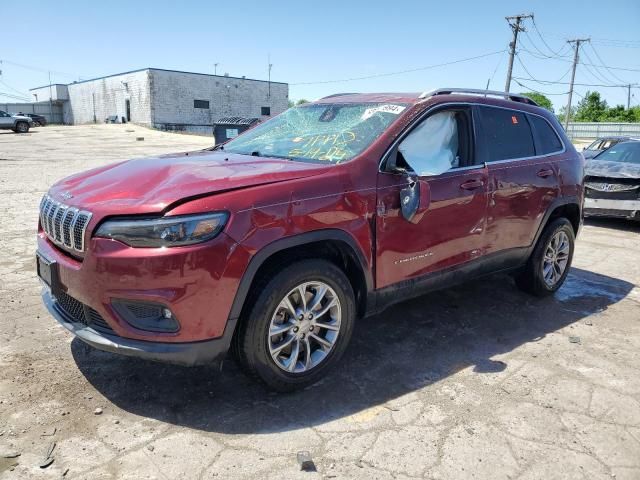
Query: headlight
x=165 y=231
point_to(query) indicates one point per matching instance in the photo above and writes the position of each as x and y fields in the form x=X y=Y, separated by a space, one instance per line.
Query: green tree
x=618 y=114
x=591 y=108
x=540 y=99
x=293 y=103
x=562 y=112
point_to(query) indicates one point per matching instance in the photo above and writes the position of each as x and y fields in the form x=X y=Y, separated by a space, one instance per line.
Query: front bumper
x=197 y=283
x=188 y=354
x=612 y=208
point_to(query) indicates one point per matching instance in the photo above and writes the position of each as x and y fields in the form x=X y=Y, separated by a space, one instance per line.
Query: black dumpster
x=227 y=128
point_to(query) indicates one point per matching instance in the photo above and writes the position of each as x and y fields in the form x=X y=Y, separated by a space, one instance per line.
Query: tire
x=537 y=278
x=22 y=127
x=255 y=345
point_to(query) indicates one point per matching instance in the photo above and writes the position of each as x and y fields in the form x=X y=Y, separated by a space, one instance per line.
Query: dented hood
x=149 y=185
x=605 y=168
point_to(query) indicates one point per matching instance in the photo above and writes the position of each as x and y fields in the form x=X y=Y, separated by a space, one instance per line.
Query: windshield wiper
x=255 y=153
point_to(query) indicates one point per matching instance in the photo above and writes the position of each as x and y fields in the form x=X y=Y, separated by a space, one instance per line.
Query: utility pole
x=50 y=101
x=270 y=66
x=516 y=27
x=567 y=113
x=215 y=68
x=628 y=96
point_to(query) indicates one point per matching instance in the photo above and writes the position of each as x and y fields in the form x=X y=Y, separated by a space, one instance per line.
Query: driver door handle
x=545 y=173
x=472 y=184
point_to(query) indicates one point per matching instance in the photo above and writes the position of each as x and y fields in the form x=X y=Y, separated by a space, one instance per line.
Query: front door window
x=432 y=147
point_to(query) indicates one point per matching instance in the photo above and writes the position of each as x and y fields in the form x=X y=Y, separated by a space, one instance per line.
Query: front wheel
x=22 y=127
x=298 y=326
x=549 y=264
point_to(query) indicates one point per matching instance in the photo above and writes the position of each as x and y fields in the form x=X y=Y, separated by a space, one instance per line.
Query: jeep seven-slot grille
x=65 y=226
x=77 y=312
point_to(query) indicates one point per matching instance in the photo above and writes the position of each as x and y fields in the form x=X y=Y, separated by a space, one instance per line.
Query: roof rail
x=473 y=91
x=339 y=95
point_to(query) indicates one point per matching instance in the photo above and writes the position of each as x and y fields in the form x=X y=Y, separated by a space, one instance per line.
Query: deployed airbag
x=432 y=147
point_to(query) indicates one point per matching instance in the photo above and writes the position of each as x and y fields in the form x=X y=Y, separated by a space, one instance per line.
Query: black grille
x=78 y=312
x=72 y=307
x=624 y=195
x=145 y=311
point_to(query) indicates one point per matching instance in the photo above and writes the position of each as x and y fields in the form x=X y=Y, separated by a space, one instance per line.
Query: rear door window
x=505 y=134
x=547 y=139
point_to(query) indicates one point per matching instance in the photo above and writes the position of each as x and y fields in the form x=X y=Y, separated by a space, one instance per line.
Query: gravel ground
x=478 y=381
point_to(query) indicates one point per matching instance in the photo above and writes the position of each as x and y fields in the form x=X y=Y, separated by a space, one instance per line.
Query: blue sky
x=321 y=41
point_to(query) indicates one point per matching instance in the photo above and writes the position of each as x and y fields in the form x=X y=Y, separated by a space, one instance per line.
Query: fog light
x=149 y=316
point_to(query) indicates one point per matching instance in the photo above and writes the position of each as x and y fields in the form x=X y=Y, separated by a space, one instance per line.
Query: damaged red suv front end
x=133 y=265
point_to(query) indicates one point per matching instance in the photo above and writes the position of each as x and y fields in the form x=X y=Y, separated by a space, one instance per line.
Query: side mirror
x=415 y=199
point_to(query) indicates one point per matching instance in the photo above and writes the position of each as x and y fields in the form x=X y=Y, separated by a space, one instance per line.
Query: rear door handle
x=472 y=184
x=545 y=173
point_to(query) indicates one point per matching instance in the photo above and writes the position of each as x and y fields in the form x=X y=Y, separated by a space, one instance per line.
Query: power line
x=536 y=91
x=523 y=67
x=15 y=97
x=613 y=75
x=606 y=41
x=533 y=44
x=2 y=82
x=595 y=73
x=495 y=70
x=551 y=82
x=37 y=69
x=564 y=75
x=535 y=27
x=400 y=72
x=580 y=63
x=539 y=53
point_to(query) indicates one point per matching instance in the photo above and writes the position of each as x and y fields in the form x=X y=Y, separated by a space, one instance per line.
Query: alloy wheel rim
x=556 y=258
x=304 y=327
x=22 y=128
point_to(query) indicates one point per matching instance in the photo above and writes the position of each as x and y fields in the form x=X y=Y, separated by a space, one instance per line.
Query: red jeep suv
x=274 y=243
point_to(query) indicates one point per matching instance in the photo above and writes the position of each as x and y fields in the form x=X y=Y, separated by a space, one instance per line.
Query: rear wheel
x=549 y=264
x=298 y=326
x=22 y=127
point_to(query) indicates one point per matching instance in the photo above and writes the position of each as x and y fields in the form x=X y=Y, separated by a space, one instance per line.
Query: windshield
x=319 y=132
x=622 y=152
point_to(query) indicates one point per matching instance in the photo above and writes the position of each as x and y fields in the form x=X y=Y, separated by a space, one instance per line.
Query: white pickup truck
x=17 y=123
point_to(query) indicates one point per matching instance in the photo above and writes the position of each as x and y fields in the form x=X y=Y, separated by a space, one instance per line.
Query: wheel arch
x=567 y=207
x=333 y=245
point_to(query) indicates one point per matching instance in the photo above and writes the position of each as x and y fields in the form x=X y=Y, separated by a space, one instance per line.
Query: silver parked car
x=602 y=144
x=17 y=123
x=612 y=182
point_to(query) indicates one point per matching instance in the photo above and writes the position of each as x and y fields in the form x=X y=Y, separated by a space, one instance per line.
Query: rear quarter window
x=506 y=134
x=548 y=140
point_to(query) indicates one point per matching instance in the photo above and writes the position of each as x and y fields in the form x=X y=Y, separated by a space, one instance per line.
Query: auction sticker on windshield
x=370 y=112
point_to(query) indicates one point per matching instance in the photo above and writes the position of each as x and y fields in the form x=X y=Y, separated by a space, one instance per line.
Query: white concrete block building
x=166 y=99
